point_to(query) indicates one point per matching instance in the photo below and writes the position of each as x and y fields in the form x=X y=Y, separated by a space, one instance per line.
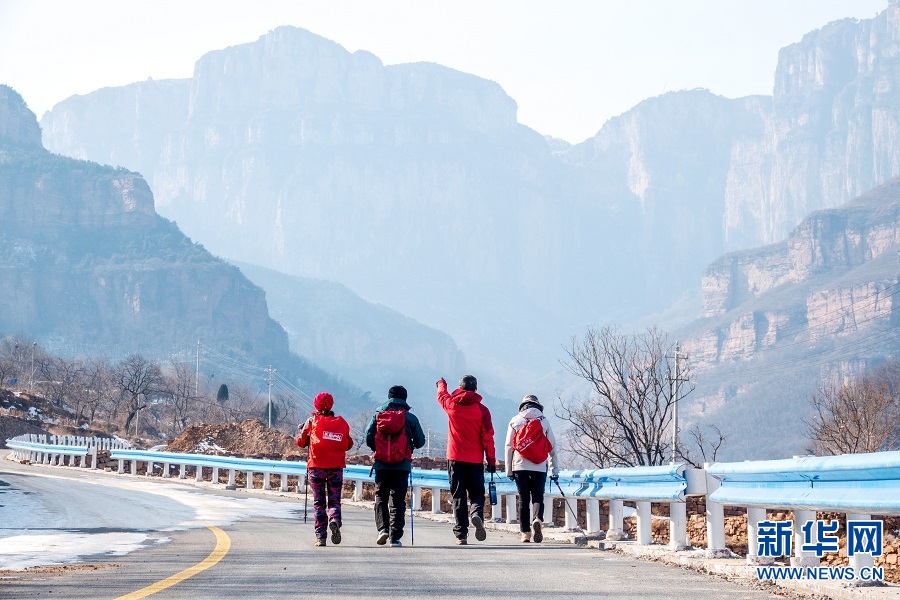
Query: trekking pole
x=412 y=522
x=571 y=512
x=305 y=495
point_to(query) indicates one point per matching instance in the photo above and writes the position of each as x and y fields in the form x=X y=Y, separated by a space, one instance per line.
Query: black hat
x=398 y=392
x=531 y=400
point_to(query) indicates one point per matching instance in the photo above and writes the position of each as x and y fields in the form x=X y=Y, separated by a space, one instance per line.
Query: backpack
x=392 y=443
x=531 y=442
x=329 y=434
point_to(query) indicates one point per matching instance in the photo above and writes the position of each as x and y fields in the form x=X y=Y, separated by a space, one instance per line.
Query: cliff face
x=88 y=266
x=17 y=124
x=834 y=131
x=781 y=318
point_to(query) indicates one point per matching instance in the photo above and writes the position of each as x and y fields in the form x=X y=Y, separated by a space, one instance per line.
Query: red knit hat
x=324 y=401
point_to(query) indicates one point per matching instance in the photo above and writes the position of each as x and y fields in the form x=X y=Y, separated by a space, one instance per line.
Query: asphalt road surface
x=269 y=553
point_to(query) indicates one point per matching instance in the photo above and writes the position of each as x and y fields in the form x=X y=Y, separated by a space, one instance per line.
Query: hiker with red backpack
x=328 y=438
x=530 y=453
x=469 y=443
x=393 y=433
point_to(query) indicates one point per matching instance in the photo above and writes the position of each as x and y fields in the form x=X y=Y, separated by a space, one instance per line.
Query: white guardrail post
x=616 y=530
x=715 y=521
x=755 y=516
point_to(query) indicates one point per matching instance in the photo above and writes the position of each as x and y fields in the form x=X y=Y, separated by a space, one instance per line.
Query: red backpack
x=392 y=443
x=531 y=442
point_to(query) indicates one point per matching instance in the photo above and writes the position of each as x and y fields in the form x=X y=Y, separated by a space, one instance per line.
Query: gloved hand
x=511 y=476
x=492 y=468
x=554 y=478
x=441 y=383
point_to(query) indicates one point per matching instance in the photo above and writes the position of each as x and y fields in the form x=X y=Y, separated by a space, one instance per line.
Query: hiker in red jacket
x=328 y=439
x=470 y=441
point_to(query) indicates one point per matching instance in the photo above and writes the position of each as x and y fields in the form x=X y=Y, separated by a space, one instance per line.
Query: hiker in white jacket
x=530 y=452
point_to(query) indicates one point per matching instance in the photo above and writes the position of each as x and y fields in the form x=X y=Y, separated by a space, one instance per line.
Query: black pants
x=466 y=479
x=390 y=501
x=531 y=496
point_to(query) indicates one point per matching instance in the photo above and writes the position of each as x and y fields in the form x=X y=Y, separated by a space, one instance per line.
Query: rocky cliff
x=831 y=133
x=90 y=268
x=781 y=318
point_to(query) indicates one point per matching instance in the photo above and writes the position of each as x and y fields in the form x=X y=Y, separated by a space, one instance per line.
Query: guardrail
x=858 y=485
x=54 y=449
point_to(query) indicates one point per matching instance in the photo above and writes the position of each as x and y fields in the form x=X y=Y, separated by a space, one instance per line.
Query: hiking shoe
x=320 y=542
x=461 y=542
x=382 y=538
x=335 y=532
x=536 y=526
x=480 y=532
x=526 y=537
x=396 y=544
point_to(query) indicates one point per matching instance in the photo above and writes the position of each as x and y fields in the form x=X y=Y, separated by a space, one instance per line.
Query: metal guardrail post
x=592 y=506
x=678 y=526
x=571 y=510
x=616 y=530
x=715 y=521
x=416 y=497
x=644 y=523
x=860 y=560
x=436 y=501
x=511 y=515
x=754 y=516
x=801 y=557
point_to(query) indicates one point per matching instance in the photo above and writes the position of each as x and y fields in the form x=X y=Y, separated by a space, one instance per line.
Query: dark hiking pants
x=390 y=501
x=466 y=480
x=531 y=496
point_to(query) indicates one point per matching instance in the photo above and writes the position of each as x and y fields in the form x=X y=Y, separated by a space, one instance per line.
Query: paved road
x=274 y=556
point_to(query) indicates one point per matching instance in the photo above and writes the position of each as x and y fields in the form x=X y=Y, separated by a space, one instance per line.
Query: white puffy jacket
x=514 y=460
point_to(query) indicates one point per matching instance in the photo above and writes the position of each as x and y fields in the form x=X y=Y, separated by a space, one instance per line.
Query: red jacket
x=328 y=438
x=471 y=431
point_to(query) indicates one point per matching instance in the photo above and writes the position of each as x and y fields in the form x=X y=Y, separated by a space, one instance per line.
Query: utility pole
x=428 y=447
x=271 y=372
x=675 y=407
x=31 y=382
x=197 y=373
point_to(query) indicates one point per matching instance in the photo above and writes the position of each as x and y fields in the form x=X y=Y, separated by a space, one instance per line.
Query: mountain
x=369 y=344
x=780 y=318
x=89 y=268
x=415 y=186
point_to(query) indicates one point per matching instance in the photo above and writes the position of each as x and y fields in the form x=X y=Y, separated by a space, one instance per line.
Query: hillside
x=89 y=268
x=780 y=318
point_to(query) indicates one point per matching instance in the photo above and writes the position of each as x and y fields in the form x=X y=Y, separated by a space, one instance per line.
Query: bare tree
x=627 y=419
x=138 y=380
x=704 y=446
x=850 y=417
x=179 y=384
x=60 y=380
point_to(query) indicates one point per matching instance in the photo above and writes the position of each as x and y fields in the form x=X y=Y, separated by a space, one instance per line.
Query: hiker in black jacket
x=393 y=433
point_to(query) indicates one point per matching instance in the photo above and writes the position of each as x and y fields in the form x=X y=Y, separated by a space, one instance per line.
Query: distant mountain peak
x=18 y=125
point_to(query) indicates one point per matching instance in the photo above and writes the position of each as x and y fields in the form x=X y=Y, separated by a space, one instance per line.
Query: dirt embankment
x=248 y=439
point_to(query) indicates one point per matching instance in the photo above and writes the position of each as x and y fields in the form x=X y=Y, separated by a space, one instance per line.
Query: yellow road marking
x=223 y=545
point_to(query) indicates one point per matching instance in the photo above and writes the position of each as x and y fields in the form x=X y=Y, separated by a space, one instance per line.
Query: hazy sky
x=569 y=65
